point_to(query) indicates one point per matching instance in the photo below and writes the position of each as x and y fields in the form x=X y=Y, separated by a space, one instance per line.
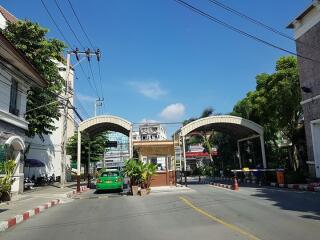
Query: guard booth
x=160 y=153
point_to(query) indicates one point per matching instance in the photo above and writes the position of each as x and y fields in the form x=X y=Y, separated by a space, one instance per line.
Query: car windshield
x=110 y=174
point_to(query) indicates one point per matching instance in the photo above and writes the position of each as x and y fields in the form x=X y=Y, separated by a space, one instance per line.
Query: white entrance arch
x=16 y=148
x=95 y=125
x=240 y=128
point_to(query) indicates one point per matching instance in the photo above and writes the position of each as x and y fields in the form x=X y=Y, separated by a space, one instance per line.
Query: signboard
x=3 y=153
x=110 y=144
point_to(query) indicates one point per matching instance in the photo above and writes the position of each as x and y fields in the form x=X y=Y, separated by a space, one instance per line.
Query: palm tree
x=204 y=137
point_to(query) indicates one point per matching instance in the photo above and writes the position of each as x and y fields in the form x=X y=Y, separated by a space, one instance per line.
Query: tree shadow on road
x=290 y=200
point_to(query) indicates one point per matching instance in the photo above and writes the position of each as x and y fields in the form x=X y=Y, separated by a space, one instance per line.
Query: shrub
x=6 y=182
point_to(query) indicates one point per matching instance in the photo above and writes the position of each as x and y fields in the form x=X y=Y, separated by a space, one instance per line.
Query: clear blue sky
x=162 y=62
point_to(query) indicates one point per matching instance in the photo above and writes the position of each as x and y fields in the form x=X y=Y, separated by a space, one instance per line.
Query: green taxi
x=110 y=180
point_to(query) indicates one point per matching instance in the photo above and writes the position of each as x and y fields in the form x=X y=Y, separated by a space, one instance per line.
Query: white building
x=17 y=75
x=48 y=151
x=150 y=132
x=117 y=151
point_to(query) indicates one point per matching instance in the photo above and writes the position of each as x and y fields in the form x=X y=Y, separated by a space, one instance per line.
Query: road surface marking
x=228 y=225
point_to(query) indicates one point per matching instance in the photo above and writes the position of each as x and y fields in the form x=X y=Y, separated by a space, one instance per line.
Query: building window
x=13 y=98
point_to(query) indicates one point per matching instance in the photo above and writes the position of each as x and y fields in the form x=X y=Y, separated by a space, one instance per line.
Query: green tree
x=275 y=104
x=97 y=148
x=203 y=137
x=43 y=54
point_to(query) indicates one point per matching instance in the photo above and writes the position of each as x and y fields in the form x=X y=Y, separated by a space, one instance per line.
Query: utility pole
x=98 y=103
x=88 y=53
x=65 y=125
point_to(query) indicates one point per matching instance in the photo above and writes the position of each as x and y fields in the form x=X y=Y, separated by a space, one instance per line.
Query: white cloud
x=85 y=98
x=148 y=89
x=173 y=112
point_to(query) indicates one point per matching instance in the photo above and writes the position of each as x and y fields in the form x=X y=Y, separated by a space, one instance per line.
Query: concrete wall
x=309 y=72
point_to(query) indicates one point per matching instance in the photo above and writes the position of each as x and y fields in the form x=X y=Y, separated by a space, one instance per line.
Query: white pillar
x=79 y=154
x=239 y=153
x=130 y=145
x=184 y=152
x=263 y=152
x=180 y=157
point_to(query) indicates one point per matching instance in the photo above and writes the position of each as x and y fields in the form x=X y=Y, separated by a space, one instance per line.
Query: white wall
x=3 y=22
x=49 y=151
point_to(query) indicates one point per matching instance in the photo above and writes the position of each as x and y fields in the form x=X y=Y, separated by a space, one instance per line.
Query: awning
x=33 y=163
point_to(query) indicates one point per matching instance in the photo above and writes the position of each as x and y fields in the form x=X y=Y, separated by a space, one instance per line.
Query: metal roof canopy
x=95 y=125
x=237 y=127
x=234 y=126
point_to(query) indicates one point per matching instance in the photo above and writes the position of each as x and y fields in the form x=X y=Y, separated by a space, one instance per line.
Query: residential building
x=150 y=132
x=17 y=75
x=307 y=34
x=49 y=150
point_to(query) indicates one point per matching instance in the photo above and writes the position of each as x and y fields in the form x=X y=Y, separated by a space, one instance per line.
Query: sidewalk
x=32 y=202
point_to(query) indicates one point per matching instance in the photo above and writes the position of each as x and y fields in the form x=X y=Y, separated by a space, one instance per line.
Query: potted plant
x=148 y=171
x=132 y=169
x=7 y=180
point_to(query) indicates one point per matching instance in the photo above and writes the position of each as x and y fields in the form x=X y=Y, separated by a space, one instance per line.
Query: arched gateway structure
x=237 y=127
x=95 y=125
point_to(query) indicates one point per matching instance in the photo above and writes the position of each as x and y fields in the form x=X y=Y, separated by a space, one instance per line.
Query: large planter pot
x=135 y=190
x=5 y=196
x=143 y=192
x=148 y=190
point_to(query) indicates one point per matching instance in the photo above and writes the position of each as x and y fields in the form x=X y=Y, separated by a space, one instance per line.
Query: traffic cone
x=235 y=185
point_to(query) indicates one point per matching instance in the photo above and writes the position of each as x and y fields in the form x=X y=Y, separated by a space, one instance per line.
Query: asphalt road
x=205 y=212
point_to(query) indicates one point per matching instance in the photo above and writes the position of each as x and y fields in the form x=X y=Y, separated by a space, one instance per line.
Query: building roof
x=16 y=58
x=304 y=13
x=153 y=143
x=154 y=148
x=7 y=15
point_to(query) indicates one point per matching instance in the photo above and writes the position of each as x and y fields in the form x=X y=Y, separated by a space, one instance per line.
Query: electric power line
x=63 y=36
x=100 y=78
x=161 y=123
x=91 y=44
x=94 y=89
x=67 y=22
x=93 y=79
x=19 y=90
x=258 y=23
x=82 y=28
x=54 y=22
x=81 y=106
x=235 y=29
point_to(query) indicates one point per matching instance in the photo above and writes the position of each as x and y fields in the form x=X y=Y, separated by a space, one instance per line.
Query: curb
x=74 y=192
x=222 y=185
x=302 y=187
x=4 y=225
